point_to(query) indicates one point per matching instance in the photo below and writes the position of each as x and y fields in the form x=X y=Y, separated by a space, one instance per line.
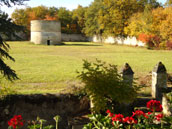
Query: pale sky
x=69 y=4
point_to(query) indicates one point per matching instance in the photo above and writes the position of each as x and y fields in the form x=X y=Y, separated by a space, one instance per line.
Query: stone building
x=45 y=32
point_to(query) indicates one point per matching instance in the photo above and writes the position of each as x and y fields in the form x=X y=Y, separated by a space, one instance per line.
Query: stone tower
x=45 y=32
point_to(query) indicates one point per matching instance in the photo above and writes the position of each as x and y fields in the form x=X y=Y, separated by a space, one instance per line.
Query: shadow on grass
x=77 y=44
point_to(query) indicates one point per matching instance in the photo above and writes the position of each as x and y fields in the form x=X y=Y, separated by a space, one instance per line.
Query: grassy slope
x=49 y=69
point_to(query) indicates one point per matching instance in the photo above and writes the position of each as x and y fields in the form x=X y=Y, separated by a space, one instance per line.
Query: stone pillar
x=167 y=110
x=127 y=74
x=159 y=80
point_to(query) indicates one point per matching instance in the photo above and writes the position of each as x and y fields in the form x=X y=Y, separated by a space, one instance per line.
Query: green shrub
x=104 y=85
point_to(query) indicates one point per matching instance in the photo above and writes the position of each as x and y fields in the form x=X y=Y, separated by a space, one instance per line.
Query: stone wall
x=119 y=40
x=44 y=106
x=74 y=38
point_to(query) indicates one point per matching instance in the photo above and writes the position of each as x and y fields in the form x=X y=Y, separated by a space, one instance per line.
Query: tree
x=7 y=27
x=24 y=16
x=168 y=2
x=78 y=17
x=140 y=23
x=92 y=26
x=165 y=28
x=103 y=84
x=115 y=14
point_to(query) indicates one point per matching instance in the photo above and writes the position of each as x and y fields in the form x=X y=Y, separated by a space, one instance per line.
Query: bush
x=169 y=45
x=104 y=85
x=152 y=41
x=139 y=119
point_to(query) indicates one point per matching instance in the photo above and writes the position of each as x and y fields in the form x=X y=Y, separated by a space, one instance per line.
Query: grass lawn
x=50 y=69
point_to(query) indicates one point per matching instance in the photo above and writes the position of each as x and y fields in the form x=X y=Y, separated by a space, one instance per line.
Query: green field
x=50 y=69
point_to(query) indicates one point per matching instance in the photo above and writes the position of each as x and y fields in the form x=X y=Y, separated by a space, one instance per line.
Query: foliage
x=23 y=17
x=91 y=24
x=17 y=122
x=150 y=40
x=78 y=17
x=139 y=119
x=153 y=25
x=165 y=29
x=10 y=2
x=169 y=96
x=104 y=84
x=7 y=28
x=140 y=23
x=114 y=15
x=68 y=21
x=98 y=121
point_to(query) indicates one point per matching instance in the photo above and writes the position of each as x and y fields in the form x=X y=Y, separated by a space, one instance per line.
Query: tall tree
x=116 y=14
x=7 y=27
x=92 y=26
x=78 y=17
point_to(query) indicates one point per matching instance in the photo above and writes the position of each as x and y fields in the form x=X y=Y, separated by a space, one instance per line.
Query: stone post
x=127 y=74
x=167 y=110
x=159 y=81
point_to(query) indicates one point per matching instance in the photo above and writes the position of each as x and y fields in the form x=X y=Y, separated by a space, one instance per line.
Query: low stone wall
x=44 y=106
x=73 y=38
x=118 y=40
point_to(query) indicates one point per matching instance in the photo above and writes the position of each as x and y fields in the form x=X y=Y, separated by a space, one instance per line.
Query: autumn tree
x=115 y=14
x=52 y=14
x=24 y=16
x=166 y=24
x=139 y=23
x=92 y=26
x=78 y=16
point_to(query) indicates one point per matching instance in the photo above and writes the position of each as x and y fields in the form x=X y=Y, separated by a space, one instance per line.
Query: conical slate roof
x=126 y=70
x=159 y=68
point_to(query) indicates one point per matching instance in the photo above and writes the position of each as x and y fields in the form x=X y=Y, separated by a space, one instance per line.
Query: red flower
x=154 y=105
x=118 y=117
x=16 y=121
x=109 y=113
x=129 y=120
x=149 y=113
x=159 y=116
x=139 y=113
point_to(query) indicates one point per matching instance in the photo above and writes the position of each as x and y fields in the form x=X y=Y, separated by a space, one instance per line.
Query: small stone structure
x=159 y=80
x=45 y=32
x=159 y=87
x=127 y=74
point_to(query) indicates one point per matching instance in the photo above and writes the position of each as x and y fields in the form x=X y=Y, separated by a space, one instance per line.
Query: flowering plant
x=16 y=122
x=154 y=105
x=138 y=120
